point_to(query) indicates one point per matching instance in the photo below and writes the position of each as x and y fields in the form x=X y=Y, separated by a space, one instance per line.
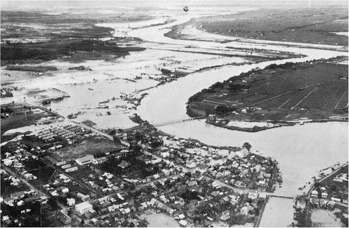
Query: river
x=300 y=150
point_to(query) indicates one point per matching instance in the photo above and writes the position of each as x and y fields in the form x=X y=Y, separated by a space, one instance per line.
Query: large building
x=85 y=160
x=84 y=207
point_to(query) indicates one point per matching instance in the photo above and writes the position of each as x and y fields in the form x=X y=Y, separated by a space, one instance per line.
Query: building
x=83 y=197
x=71 y=202
x=183 y=223
x=85 y=160
x=83 y=208
x=123 y=164
x=64 y=217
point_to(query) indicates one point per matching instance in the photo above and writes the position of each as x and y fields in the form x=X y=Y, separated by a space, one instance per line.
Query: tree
x=247 y=146
x=334 y=187
x=222 y=109
x=53 y=203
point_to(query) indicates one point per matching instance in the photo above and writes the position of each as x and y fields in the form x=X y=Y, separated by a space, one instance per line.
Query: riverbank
x=269 y=125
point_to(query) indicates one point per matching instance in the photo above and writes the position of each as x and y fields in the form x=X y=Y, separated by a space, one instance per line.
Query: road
x=68 y=175
x=311 y=188
x=31 y=186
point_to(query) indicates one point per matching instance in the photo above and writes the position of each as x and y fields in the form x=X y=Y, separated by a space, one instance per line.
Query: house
x=83 y=197
x=18 y=195
x=181 y=216
x=253 y=195
x=83 y=208
x=239 y=184
x=20 y=203
x=244 y=210
x=183 y=223
x=262 y=195
x=71 y=202
x=7 y=162
x=216 y=184
x=191 y=165
x=5 y=218
x=225 y=215
x=124 y=164
x=85 y=160
x=314 y=193
x=166 y=172
x=262 y=182
x=324 y=195
x=64 y=217
x=335 y=199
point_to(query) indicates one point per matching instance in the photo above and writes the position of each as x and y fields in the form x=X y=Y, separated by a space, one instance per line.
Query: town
x=86 y=178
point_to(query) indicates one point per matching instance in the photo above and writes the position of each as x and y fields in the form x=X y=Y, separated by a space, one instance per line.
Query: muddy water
x=300 y=150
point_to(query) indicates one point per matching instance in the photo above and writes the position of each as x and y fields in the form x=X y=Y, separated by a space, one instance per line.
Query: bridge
x=280 y=196
x=176 y=121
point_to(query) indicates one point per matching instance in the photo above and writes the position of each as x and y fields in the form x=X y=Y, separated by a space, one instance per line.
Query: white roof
x=183 y=222
x=86 y=158
x=83 y=205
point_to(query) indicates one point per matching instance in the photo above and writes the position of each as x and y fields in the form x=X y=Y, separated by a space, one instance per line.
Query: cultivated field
x=316 y=91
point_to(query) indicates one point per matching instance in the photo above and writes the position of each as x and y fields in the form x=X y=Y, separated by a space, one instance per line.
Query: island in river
x=276 y=96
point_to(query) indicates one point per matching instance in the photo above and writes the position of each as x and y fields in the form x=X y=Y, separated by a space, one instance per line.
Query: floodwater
x=325 y=218
x=300 y=150
x=278 y=213
x=159 y=220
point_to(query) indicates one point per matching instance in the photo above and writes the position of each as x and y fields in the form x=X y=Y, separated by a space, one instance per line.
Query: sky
x=54 y=4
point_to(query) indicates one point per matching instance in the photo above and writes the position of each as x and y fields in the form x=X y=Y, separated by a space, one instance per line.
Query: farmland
x=290 y=92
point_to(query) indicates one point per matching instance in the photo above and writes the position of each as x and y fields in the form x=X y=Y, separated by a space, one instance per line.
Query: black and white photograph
x=174 y=113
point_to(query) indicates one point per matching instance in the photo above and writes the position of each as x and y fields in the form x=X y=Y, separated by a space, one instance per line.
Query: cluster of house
x=101 y=181
x=70 y=133
x=20 y=200
x=17 y=161
x=212 y=202
x=180 y=180
x=337 y=192
x=113 y=210
x=237 y=167
x=252 y=171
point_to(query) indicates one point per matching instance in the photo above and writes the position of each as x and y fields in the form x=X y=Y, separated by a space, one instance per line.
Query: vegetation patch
x=280 y=93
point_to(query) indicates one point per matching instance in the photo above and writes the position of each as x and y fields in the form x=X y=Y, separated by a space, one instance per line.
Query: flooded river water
x=300 y=150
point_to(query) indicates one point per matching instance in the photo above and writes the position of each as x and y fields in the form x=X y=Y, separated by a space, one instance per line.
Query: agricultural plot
x=316 y=91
